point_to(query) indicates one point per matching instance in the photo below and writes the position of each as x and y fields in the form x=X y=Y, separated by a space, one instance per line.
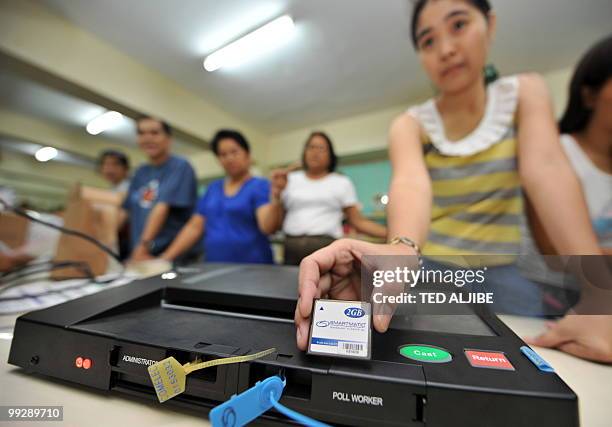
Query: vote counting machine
x=467 y=369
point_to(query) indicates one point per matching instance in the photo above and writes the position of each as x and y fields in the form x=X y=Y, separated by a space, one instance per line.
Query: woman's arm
x=187 y=237
x=364 y=225
x=410 y=192
x=547 y=176
x=556 y=196
x=270 y=217
x=333 y=270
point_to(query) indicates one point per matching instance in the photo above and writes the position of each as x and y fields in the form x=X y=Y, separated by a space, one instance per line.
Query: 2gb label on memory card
x=340 y=329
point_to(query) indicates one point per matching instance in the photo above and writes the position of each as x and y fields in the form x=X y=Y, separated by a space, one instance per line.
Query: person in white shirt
x=586 y=128
x=310 y=204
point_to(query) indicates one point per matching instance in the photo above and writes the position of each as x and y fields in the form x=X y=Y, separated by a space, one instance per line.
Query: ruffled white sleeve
x=502 y=101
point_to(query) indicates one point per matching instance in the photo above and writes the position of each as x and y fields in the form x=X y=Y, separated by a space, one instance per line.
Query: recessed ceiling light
x=45 y=154
x=106 y=121
x=253 y=44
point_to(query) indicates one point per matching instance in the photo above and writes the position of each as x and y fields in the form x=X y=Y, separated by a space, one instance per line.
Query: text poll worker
x=310 y=204
x=230 y=214
x=456 y=182
x=114 y=166
x=162 y=193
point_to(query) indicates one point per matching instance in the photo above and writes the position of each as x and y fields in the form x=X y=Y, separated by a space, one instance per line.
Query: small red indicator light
x=87 y=363
x=78 y=362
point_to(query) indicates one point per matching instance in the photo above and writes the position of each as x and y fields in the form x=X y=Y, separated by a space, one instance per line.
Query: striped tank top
x=477 y=200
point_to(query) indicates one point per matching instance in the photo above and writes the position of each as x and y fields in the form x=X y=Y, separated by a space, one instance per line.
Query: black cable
x=85 y=267
x=23 y=267
x=28 y=266
x=64 y=230
x=79 y=265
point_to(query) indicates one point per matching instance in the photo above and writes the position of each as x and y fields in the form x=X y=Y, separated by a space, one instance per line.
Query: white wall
x=368 y=132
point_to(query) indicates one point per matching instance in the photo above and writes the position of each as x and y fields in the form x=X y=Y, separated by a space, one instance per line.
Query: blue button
x=536 y=359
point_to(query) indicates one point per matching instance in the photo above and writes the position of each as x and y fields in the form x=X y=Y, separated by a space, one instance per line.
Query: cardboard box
x=95 y=213
x=13 y=229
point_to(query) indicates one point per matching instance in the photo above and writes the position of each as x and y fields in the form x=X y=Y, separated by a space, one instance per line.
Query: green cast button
x=425 y=353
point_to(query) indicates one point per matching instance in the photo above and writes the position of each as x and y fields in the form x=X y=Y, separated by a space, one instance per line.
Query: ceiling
x=30 y=149
x=346 y=56
x=25 y=96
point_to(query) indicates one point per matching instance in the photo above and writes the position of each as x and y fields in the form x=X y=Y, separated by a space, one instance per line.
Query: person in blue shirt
x=162 y=193
x=230 y=213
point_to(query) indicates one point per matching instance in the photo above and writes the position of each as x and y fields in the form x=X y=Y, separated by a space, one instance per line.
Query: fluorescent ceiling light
x=253 y=44
x=106 y=121
x=45 y=154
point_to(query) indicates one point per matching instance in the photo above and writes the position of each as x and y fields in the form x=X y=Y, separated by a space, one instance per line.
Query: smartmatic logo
x=138 y=360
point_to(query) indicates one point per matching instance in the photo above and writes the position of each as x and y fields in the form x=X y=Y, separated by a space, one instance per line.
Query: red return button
x=488 y=359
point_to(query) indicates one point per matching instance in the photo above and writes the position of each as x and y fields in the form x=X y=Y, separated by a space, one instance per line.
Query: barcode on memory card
x=352 y=348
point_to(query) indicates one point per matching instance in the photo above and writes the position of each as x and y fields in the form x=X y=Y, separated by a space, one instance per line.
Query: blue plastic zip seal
x=243 y=408
x=536 y=359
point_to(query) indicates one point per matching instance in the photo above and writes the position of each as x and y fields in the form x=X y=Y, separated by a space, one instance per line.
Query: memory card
x=341 y=329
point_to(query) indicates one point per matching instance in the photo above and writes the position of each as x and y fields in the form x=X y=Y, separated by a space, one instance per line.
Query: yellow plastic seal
x=169 y=376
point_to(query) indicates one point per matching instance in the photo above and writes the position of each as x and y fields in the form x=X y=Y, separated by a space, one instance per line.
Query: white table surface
x=86 y=407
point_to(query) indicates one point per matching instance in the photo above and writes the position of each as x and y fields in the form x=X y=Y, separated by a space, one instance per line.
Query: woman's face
x=317 y=155
x=234 y=159
x=601 y=104
x=453 y=39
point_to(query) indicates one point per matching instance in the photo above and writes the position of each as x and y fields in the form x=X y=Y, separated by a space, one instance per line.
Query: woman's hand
x=586 y=331
x=279 y=182
x=588 y=337
x=279 y=179
x=335 y=272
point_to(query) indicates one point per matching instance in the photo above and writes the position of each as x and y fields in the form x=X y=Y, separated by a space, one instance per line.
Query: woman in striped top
x=460 y=163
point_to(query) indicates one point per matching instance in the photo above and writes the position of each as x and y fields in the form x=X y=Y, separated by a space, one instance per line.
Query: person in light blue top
x=229 y=215
x=161 y=195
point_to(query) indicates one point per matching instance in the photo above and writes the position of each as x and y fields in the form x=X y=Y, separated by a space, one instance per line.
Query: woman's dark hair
x=117 y=155
x=482 y=5
x=234 y=135
x=333 y=159
x=592 y=73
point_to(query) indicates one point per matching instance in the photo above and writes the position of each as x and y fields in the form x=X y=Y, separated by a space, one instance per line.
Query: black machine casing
x=221 y=310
